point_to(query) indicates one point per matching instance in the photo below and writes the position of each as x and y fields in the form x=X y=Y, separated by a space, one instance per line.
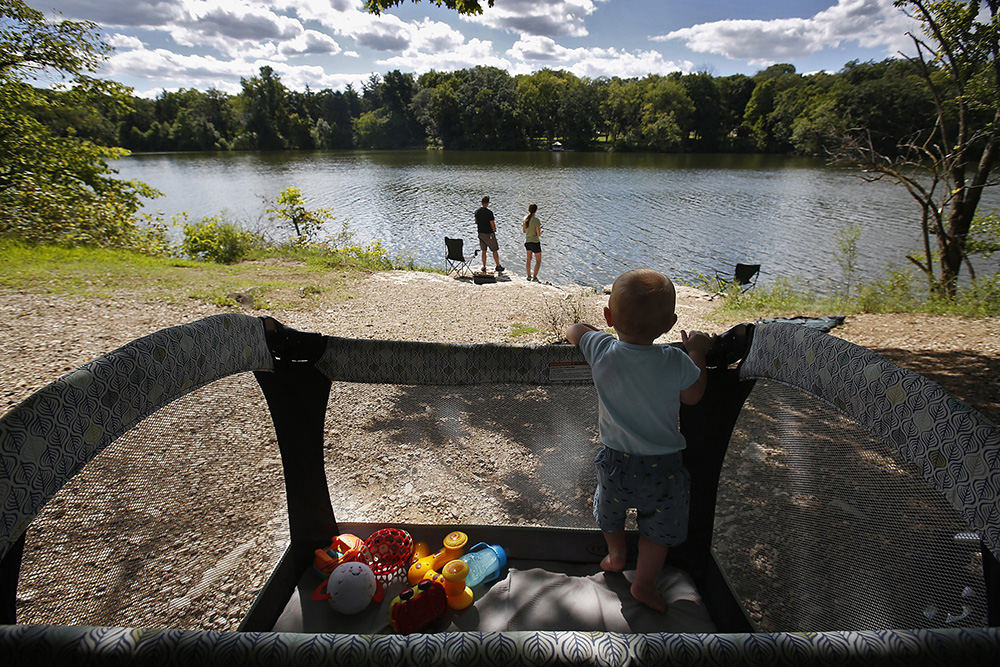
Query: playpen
x=843 y=509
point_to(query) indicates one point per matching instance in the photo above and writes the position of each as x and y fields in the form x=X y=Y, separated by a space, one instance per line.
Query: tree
x=666 y=114
x=461 y=6
x=946 y=166
x=264 y=109
x=290 y=207
x=707 y=125
x=60 y=188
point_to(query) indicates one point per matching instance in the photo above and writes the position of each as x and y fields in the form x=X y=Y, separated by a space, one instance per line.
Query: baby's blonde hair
x=642 y=303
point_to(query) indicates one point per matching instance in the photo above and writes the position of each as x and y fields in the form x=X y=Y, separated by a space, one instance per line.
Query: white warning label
x=570 y=371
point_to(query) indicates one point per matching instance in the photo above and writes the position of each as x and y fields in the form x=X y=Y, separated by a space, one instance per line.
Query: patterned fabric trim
x=49 y=437
x=53 y=645
x=408 y=362
x=956 y=449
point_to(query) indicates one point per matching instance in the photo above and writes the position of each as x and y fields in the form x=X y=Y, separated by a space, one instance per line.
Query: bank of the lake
x=602 y=213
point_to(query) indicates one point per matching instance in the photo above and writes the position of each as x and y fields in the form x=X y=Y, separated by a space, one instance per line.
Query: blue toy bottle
x=485 y=562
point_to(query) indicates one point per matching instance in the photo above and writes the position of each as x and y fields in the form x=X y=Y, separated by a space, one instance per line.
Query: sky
x=171 y=44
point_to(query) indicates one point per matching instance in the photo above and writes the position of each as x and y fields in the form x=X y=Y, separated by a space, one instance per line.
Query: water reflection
x=603 y=212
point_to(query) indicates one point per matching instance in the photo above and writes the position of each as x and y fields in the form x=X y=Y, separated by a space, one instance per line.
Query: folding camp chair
x=745 y=275
x=456 y=260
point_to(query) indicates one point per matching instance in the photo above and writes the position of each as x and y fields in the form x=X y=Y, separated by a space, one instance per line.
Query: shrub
x=216 y=240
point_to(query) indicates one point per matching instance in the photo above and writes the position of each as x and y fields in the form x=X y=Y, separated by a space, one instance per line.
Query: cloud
x=176 y=70
x=468 y=54
x=870 y=23
x=120 y=41
x=242 y=22
x=119 y=12
x=310 y=42
x=560 y=18
x=594 y=62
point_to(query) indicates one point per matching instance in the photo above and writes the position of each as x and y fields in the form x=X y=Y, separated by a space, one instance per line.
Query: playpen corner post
x=991 y=577
x=10 y=568
x=297 y=396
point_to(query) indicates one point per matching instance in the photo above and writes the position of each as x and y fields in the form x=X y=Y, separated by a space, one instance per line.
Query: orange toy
x=452 y=548
x=454 y=573
x=343 y=549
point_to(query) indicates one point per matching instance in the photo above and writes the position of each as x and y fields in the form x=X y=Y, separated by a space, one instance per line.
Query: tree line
x=929 y=122
x=777 y=110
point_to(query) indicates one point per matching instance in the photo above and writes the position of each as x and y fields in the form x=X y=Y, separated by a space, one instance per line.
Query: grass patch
x=519 y=329
x=270 y=281
x=899 y=292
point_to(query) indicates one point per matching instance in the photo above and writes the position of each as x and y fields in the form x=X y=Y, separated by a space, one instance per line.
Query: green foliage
x=290 y=207
x=984 y=235
x=461 y=6
x=216 y=240
x=898 y=292
x=60 y=189
x=846 y=253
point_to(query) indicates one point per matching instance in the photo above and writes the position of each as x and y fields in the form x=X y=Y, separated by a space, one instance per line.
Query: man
x=486 y=225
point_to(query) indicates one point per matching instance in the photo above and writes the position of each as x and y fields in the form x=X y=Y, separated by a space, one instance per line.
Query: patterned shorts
x=658 y=487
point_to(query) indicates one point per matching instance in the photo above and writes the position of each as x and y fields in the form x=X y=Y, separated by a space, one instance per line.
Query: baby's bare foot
x=612 y=563
x=649 y=597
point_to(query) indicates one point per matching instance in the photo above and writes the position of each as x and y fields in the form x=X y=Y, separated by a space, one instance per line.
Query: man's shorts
x=488 y=241
x=533 y=246
x=658 y=487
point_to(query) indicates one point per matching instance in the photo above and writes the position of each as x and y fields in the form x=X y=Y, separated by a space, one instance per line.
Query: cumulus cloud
x=471 y=53
x=176 y=70
x=136 y=13
x=870 y=23
x=120 y=41
x=560 y=18
x=594 y=62
x=310 y=42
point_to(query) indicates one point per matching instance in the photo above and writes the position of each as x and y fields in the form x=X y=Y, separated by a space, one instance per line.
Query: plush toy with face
x=351 y=587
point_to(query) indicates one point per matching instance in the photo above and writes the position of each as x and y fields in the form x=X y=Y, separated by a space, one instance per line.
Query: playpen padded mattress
x=533 y=595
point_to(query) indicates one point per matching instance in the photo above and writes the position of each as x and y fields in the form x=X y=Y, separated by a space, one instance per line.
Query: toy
x=455 y=587
x=415 y=607
x=450 y=550
x=420 y=549
x=485 y=562
x=386 y=553
x=343 y=549
x=389 y=552
x=351 y=587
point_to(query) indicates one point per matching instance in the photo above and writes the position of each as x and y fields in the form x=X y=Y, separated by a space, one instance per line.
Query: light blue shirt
x=638 y=392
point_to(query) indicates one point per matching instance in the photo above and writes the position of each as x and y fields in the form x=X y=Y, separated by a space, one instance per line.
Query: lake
x=602 y=213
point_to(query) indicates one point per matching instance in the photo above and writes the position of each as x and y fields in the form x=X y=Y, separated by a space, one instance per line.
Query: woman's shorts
x=488 y=241
x=533 y=246
x=658 y=487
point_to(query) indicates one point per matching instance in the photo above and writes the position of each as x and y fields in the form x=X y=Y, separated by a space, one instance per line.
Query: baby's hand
x=697 y=342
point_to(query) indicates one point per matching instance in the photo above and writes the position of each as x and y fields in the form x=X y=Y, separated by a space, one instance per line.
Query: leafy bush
x=290 y=207
x=218 y=241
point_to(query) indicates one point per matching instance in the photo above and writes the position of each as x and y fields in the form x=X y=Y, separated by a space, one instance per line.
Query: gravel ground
x=171 y=570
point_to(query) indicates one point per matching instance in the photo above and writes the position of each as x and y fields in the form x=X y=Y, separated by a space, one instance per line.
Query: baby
x=640 y=387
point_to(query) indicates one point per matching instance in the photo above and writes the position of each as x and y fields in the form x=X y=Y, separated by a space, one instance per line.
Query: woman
x=532 y=228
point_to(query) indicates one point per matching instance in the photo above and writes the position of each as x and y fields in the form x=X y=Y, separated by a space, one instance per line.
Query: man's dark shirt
x=483 y=218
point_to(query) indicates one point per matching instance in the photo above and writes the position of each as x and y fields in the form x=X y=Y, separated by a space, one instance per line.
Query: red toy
x=415 y=607
x=390 y=551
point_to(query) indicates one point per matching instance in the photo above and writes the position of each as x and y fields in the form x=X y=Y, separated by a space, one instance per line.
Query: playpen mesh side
x=504 y=454
x=820 y=526
x=175 y=524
